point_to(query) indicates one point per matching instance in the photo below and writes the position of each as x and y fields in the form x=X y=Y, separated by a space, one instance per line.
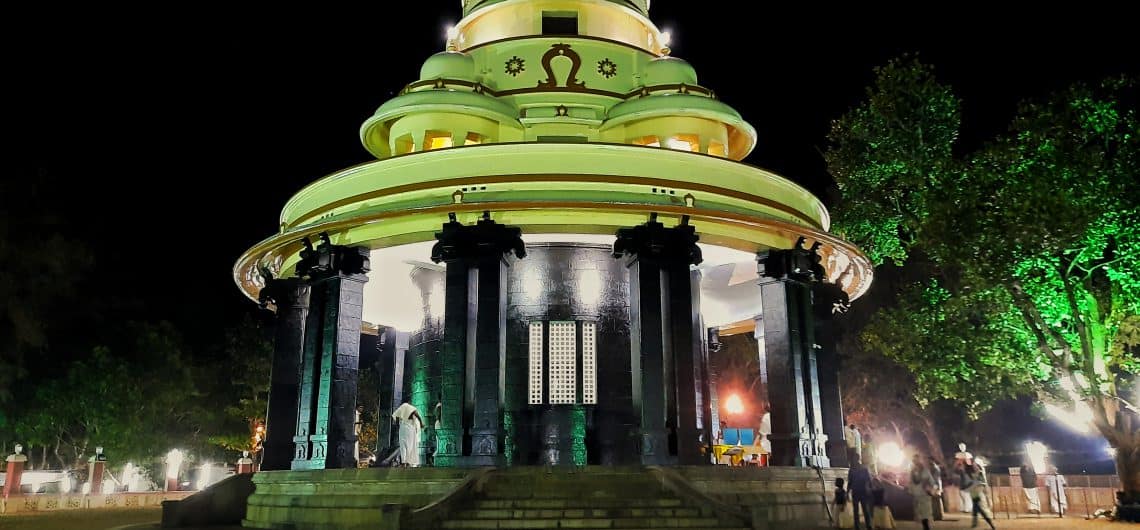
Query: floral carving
x=516 y=65
x=607 y=68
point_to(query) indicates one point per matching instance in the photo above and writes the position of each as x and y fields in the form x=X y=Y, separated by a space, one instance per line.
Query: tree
x=1032 y=242
x=244 y=392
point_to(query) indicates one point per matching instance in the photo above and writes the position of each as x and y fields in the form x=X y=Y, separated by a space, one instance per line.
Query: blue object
x=744 y=436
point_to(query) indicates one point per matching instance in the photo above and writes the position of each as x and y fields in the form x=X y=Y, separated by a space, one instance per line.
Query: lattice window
x=562 y=355
x=535 y=386
x=589 y=364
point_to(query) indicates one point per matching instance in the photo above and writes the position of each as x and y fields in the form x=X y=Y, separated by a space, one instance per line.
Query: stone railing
x=46 y=502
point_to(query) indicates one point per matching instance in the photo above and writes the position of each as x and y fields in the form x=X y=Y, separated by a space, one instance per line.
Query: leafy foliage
x=886 y=152
x=1035 y=284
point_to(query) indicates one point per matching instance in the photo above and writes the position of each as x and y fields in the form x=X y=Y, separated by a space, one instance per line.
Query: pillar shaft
x=665 y=347
x=786 y=277
x=326 y=421
x=291 y=299
x=647 y=359
x=14 y=471
x=473 y=356
x=830 y=303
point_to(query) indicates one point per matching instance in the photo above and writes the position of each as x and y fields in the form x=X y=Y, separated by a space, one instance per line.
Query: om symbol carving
x=562 y=50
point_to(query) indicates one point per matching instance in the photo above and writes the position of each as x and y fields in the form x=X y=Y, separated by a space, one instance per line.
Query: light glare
x=734 y=405
x=1036 y=452
x=891 y=455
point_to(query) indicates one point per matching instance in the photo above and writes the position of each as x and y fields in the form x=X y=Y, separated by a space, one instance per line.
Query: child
x=844 y=518
x=882 y=513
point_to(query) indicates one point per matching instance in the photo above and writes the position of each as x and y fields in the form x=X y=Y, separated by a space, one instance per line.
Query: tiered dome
x=641 y=6
x=669 y=71
x=449 y=65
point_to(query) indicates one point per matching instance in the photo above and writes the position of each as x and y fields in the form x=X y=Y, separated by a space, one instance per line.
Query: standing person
x=869 y=454
x=1029 y=488
x=936 y=473
x=854 y=442
x=859 y=484
x=410 y=425
x=961 y=459
x=921 y=487
x=1056 y=484
x=843 y=517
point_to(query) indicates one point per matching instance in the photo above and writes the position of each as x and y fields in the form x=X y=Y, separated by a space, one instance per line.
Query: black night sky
x=168 y=137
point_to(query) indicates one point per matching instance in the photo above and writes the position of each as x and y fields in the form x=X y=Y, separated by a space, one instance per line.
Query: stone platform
x=541 y=497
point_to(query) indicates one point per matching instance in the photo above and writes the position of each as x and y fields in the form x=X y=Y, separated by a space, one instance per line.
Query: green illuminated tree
x=1032 y=243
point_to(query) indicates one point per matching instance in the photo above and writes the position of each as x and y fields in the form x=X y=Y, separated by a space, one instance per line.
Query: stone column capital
x=796 y=264
x=653 y=241
x=485 y=239
x=280 y=293
x=327 y=260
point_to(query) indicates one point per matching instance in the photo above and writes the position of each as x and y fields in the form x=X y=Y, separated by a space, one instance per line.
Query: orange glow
x=437 y=140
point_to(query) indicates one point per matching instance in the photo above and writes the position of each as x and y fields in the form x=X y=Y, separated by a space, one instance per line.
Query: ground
x=147 y=519
x=101 y=519
x=1021 y=523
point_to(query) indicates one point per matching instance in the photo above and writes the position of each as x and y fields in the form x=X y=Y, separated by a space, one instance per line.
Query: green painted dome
x=669 y=71
x=449 y=65
x=641 y=6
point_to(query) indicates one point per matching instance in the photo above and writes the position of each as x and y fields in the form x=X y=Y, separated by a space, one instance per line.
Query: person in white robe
x=410 y=425
x=1056 y=484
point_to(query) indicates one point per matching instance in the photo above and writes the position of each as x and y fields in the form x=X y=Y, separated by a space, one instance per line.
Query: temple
x=557 y=226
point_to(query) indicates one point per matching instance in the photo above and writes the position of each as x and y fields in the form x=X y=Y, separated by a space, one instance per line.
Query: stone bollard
x=244 y=464
x=14 y=472
x=96 y=465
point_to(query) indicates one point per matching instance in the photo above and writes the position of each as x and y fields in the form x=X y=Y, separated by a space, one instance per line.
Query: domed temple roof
x=565 y=118
x=642 y=6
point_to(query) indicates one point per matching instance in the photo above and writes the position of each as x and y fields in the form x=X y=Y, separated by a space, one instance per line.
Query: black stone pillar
x=786 y=277
x=326 y=430
x=474 y=342
x=712 y=377
x=830 y=302
x=665 y=360
x=290 y=300
x=393 y=346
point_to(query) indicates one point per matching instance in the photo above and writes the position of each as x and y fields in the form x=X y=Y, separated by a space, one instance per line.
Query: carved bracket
x=653 y=240
x=486 y=238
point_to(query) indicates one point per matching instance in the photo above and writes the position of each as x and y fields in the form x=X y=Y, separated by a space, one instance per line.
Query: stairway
x=592 y=497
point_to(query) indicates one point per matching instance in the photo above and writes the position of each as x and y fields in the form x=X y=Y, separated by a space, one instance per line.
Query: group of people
x=867 y=494
x=1054 y=482
x=864 y=492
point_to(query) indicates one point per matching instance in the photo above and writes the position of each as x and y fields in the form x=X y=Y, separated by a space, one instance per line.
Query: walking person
x=1056 y=484
x=859 y=484
x=1029 y=488
x=976 y=486
x=922 y=487
x=410 y=425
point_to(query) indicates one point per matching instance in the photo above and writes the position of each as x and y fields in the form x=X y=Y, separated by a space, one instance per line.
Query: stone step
x=570 y=491
x=577 y=513
x=630 y=522
x=546 y=504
